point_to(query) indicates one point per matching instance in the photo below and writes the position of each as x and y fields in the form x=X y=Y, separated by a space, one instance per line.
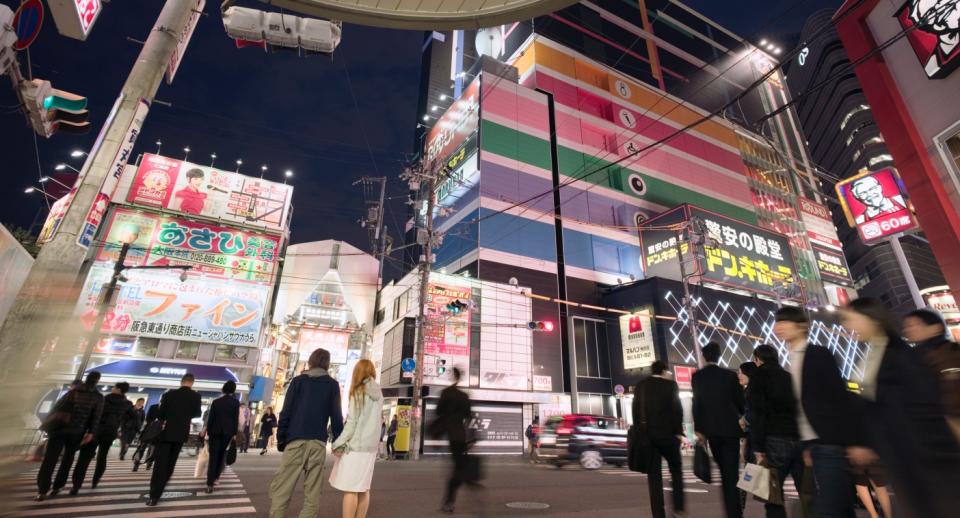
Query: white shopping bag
x=755 y=480
x=202 y=458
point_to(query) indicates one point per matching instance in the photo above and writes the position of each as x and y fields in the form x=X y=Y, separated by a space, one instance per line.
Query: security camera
x=513 y=282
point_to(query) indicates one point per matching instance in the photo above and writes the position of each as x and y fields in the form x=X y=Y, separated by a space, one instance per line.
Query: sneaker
x=74 y=491
x=40 y=497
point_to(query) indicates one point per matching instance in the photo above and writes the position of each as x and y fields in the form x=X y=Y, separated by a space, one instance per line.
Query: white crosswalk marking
x=122 y=492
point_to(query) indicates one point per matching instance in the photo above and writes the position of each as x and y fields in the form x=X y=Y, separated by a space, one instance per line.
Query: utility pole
x=378 y=237
x=45 y=303
x=689 y=306
x=106 y=301
x=429 y=178
x=907 y=272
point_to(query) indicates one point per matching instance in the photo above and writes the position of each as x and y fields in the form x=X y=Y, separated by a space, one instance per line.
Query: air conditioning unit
x=252 y=26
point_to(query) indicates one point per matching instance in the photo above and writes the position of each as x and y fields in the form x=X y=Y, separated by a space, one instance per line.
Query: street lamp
x=76 y=153
x=61 y=167
x=287 y=175
x=45 y=179
x=239 y=163
x=263 y=171
x=186 y=153
x=158 y=146
x=213 y=158
x=32 y=189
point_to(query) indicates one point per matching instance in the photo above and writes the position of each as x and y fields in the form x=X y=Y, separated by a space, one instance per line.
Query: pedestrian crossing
x=122 y=492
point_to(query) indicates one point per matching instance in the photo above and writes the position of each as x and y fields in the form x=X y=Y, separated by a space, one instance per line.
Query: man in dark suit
x=656 y=402
x=453 y=416
x=718 y=404
x=177 y=409
x=221 y=428
x=822 y=415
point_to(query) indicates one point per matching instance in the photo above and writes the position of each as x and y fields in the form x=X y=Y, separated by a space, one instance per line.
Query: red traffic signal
x=540 y=325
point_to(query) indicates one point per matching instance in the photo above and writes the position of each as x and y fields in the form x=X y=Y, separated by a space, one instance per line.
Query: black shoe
x=447 y=508
x=74 y=491
x=94 y=484
x=54 y=492
x=209 y=489
x=152 y=502
x=40 y=497
x=262 y=452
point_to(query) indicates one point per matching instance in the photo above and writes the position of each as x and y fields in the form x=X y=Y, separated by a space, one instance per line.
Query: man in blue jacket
x=312 y=402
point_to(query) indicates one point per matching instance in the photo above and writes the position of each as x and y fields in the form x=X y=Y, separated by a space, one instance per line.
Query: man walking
x=773 y=432
x=392 y=436
x=221 y=428
x=656 y=402
x=311 y=404
x=72 y=422
x=822 y=413
x=177 y=409
x=453 y=417
x=718 y=404
x=116 y=409
x=928 y=331
x=131 y=426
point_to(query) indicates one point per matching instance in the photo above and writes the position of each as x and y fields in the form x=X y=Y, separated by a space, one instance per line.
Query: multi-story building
x=559 y=136
x=843 y=139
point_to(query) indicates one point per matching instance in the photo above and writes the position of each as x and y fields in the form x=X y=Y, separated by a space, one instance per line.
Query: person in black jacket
x=177 y=409
x=822 y=413
x=718 y=405
x=656 y=402
x=83 y=404
x=453 y=417
x=116 y=408
x=901 y=416
x=131 y=426
x=773 y=429
x=221 y=428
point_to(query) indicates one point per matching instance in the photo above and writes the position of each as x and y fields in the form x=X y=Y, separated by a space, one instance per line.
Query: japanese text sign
x=455 y=126
x=819 y=223
x=446 y=335
x=636 y=336
x=876 y=204
x=210 y=249
x=171 y=184
x=683 y=375
x=336 y=342
x=158 y=304
x=75 y=18
x=833 y=266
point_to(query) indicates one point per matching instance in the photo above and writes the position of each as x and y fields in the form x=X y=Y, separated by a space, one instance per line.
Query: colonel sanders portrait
x=940 y=18
x=869 y=192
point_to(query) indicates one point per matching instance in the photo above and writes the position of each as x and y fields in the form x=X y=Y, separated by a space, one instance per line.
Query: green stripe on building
x=517 y=145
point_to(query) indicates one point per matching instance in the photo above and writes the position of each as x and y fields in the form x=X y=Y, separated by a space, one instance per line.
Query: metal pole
x=106 y=301
x=907 y=273
x=415 y=422
x=687 y=298
x=381 y=235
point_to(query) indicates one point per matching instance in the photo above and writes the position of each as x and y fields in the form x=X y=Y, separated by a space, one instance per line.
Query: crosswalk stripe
x=145 y=486
x=180 y=513
x=137 y=495
x=136 y=505
x=123 y=482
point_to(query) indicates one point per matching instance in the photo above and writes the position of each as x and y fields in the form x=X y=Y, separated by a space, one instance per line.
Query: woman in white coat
x=356 y=448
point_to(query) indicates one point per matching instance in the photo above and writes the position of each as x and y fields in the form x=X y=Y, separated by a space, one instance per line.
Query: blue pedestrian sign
x=27 y=23
x=408 y=364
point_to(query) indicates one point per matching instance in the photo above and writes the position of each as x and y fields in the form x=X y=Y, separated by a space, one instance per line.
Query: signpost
x=408 y=364
x=27 y=22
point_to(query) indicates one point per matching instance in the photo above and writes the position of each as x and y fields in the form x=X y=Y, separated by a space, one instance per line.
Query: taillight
x=564 y=431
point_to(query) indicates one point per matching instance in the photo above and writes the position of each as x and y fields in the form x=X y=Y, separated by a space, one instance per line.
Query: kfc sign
x=876 y=204
x=933 y=30
x=75 y=18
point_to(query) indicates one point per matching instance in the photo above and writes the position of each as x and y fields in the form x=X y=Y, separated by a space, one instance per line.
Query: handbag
x=472 y=469
x=231 y=453
x=639 y=448
x=202 y=459
x=152 y=432
x=759 y=481
x=59 y=417
x=701 y=464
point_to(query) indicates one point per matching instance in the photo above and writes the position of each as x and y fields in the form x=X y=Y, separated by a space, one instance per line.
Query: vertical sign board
x=184 y=40
x=833 y=266
x=99 y=208
x=819 y=223
x=446 y=335
x=683 y=375
x=402 y=442
x=658 y=245
x=636 y=336
x=876 y=204
x=75 y=18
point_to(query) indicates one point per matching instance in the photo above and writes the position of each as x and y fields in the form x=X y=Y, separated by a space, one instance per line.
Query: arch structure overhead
x=437 y=15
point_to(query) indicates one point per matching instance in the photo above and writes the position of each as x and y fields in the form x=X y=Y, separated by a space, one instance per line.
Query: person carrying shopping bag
x=356 y=448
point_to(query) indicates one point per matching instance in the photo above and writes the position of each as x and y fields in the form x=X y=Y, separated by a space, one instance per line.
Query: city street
x=513 y=487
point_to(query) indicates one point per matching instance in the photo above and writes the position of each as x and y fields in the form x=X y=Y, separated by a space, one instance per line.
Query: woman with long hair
x=898 y=418
x=267 y=424
x=356 y=448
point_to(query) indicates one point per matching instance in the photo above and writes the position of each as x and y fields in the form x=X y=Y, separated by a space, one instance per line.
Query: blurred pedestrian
x=310 y=406
x=656 y=402
x=356 y=448
x=774 y=433
x=131 y=426
x=873 y=476
x=71 y=423
x=116 y=409
x=744 y=372
x=928 y=331
x=243 y=425
x=153 y=413
x=822 y=419
x=901 y=415
x=718 y=405
x=392 y=436
x=267 y=424
x=453 y=419
x=221 y=428
x=177 y=409
x=532 y=430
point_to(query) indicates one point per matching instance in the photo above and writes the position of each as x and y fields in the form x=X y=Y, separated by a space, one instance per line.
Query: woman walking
x=267 y=423
x=356 y=448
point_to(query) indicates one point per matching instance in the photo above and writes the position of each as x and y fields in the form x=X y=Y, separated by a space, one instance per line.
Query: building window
x=590 y=338
x=187 y=351
x=147 y=347
x=953 y=149
x=879 y=159
x=230 y=353
x=851 y=113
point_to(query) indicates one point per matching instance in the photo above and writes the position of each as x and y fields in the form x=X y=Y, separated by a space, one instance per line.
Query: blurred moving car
x=589 y=440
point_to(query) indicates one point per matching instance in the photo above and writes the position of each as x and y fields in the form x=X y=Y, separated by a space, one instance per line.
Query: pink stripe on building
x=502 y=99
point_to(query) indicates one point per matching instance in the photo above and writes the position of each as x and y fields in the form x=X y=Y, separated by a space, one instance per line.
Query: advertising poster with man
x=447 y=334
x=876 y=204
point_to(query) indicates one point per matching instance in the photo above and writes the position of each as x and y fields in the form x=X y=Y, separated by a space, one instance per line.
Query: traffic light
x=441 y=367
x=51 y=110
x=456 y=307
x=540 y=325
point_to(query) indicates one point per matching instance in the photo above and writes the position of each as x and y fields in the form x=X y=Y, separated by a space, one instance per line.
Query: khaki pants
x=300 y=456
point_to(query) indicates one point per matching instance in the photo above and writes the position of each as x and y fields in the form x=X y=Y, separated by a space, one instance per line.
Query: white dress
x=353 y=471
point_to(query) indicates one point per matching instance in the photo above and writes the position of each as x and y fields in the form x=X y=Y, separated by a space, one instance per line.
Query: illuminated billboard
x=455 y=127
x=875 y=203
x=933 y=28
x=75 y=18
x=446 y=333
x=832 y=266
x=171 y=184
x=336 y=342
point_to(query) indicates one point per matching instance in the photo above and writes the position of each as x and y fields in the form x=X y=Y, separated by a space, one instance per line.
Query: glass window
x=590 y=340
x=851 y=113
x=580 y=338
x=147 y=347
x=224 y=353
x=953 y=145
x=879 y=159
x=187 y=351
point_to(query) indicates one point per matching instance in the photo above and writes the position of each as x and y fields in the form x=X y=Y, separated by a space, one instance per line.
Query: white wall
x=15 y=264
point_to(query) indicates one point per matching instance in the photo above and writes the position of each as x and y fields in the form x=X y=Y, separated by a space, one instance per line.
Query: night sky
x=330 y=121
